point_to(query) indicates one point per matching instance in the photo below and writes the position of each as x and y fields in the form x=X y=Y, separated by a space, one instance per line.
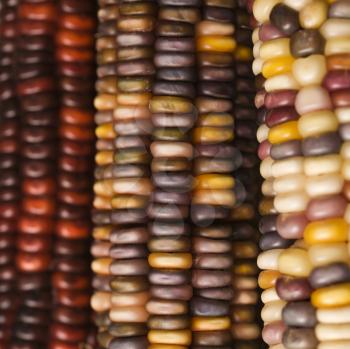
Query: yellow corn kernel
x=104 y=157
x=325 y=231
x=212 y=135
x=216 y=43
x=176 y=337
x=214 y=181
x=284 y=132
x=105 y=131
x=278 y=65
x=164 y=260
x=206 y=323
x=331 y=296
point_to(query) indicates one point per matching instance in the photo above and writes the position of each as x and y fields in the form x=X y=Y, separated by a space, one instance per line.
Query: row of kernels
x=105 y=170
x=283 y=169
x=172 y=118
x=245 y=328
x=132 y=188
x=213 y=195
x=71 y=272
x=327 y=231
x=9 y=178
x=38 y=104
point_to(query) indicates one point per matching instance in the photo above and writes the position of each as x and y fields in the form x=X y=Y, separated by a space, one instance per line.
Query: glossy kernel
x=284 y=132
x=216 y=43
x=332 y=296
x=278 y=65
x=325 y=231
